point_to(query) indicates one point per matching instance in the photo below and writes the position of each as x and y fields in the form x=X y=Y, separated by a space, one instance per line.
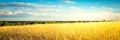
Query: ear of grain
x=67 y=31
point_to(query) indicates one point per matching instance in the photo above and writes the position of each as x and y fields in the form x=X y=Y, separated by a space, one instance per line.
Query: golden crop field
x=65 y=31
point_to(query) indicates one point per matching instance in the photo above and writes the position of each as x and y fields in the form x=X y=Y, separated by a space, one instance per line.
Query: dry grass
x=68 y=31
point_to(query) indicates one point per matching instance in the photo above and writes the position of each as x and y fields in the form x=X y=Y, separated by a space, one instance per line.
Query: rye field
x=65 y=31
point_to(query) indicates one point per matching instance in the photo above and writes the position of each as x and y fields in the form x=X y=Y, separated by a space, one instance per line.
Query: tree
x=24 y=23
x=104 y=20
x=80 y=21
x=19 y=23
x=11 y=24
x=36 y=22
x=1 y=23
x=7 y=24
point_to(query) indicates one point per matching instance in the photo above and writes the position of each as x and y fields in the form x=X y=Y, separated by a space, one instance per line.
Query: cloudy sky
x=59 y=10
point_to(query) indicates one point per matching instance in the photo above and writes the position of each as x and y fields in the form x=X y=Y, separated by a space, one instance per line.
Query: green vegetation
x=20 y=23
x=1 y=22
x=7 y=24
x=107 y=20
x=24 y=23
x=50 y=22
x=79 y=21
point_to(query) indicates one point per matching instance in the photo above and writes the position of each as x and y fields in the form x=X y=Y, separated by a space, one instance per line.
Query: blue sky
x=59 y=10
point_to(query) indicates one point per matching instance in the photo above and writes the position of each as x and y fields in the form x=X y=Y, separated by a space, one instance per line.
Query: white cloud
x=93 y=7
x=117 y=9
x=103 y=10
x=2 y=12
x=69 y=2
x=19 y=4
x=57 y=12
x=16 y=3
x=9 y=12
x=26 y=7
x=107 y=10
x=103 y=7
x=6 y=12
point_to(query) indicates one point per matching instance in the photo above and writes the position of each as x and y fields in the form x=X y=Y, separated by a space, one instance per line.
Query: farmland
x=63 y=31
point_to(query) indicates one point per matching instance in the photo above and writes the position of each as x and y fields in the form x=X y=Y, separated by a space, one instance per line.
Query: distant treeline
x=13 y=23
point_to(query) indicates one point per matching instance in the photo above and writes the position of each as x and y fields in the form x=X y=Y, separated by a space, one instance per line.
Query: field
x=65 y=31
